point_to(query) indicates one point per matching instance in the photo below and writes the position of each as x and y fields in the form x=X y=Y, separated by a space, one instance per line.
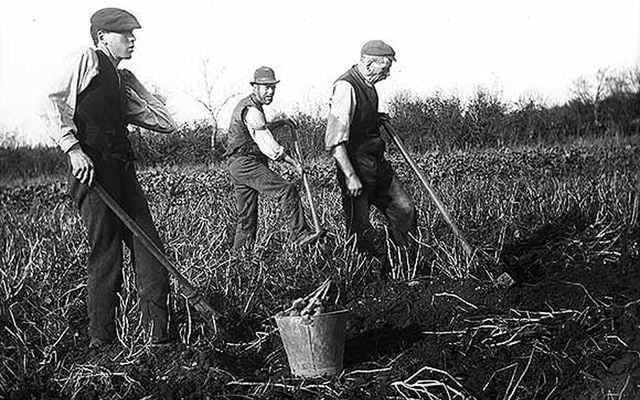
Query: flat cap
x=378 y=48
x=264 y=76
x=114 y=20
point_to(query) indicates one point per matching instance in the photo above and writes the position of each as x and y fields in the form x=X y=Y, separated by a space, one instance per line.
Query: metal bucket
x=314 y=345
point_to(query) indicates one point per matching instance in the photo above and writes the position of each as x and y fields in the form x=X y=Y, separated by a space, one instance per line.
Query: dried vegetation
x=562 y=221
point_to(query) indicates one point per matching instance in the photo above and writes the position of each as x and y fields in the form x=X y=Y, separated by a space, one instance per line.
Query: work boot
x=160 y=335
x=97 y=343
x=308 y=238
x=381 y=268
x=160 y=341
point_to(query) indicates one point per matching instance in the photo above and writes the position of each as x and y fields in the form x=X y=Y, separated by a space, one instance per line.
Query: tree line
x=606 y=106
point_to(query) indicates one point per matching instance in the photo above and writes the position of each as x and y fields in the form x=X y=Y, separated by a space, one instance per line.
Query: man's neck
x=363 y=71
x=114 y=60
x=257 y=99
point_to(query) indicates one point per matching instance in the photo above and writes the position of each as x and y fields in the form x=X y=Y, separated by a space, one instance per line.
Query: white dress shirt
x=342 y=107
x=142 y=108
x=257 y=125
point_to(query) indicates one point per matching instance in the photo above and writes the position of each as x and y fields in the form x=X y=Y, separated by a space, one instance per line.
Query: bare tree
x=622 y=103
x=206 y=96
x=591 y=93
x=634 y=78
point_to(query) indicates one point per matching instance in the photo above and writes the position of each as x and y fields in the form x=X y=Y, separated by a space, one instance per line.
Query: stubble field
x=562 y=221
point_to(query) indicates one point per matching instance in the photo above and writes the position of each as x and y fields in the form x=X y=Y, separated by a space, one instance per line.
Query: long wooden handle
x=307 y=189
x=189 y=290
x=432 y=193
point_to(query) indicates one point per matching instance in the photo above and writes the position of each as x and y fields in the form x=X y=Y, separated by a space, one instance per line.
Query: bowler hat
x=264 y=76
x=378 y=48
x=114 y=20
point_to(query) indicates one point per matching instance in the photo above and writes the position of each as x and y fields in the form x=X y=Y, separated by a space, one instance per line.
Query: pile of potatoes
x=313 y=304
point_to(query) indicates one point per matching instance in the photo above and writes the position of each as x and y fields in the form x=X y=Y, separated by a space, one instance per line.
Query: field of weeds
x=562 y=221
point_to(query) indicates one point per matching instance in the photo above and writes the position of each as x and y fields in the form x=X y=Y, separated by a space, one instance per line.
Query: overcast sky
x=518 y=48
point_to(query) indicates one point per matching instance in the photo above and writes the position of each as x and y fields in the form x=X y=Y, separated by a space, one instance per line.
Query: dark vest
x=99 y=116
x=239 y=141
x=364 y=131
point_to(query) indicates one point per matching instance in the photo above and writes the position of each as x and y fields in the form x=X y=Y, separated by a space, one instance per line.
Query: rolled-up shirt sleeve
x=63 y=96
x=341 y=109
x=143 y=108
x=257 y=125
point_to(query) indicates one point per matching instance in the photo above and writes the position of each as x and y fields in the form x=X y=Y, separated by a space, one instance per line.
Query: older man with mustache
x=251 y=145
x=365 y=177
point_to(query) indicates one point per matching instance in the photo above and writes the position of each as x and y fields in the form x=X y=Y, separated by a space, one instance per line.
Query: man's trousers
x=251 y=176
x=106 y=234
x=382 y=189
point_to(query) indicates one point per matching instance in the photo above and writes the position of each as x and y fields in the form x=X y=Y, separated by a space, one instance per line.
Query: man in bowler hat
x=250 y=146
x=91 y=107
x=365 y=177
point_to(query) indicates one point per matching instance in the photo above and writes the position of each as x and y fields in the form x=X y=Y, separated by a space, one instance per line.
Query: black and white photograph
x=327 y=200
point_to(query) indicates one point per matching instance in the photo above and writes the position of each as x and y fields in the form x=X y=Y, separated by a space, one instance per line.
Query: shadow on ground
x=376 y=343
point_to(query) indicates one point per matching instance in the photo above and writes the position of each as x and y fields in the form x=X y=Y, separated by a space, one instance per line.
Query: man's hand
x=81 y=166
x=383 y=118
x=354 y=186
x=299 y=168
x=294 y=163
x=290 y=122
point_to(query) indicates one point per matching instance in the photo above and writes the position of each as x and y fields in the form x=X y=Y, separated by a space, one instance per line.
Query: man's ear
x=368 y=62
x=100 y=34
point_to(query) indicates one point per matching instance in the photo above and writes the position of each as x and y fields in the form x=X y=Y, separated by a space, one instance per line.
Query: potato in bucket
x=313 y=335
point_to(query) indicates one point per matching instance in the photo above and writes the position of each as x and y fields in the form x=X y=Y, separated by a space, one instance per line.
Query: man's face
x=380 y=70
x=264 y=93
x=120 y=44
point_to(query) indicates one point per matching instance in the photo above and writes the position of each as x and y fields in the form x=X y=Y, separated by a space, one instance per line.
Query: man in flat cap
x=250 y=145
x=91 y=107
x=365 y=177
